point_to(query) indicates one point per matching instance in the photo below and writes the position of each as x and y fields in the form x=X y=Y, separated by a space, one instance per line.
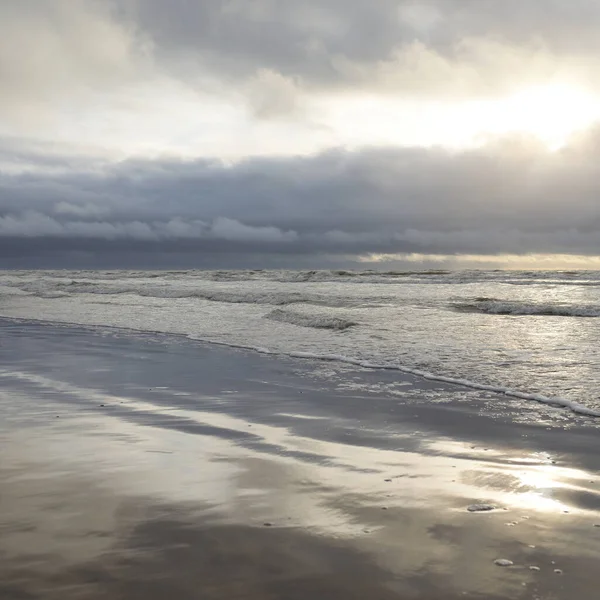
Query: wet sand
x=136 y=466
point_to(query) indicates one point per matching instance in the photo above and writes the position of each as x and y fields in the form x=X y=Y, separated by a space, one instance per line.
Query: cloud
x=122 y=79
x=509 y=197
x=232 y=230
x=32 y=224
x=60 y=55
x=271 y=95
x=441 y=45
x=62 y=51
x=79 y=210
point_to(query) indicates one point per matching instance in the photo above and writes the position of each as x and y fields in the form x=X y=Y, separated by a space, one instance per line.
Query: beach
x=299 y=300
x=139 y=465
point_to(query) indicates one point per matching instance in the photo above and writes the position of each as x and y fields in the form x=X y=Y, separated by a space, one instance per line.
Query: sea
x=533 y=335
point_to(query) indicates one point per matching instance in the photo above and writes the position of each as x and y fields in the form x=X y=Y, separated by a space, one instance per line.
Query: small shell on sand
x=503 y=562
x=481 y=507
x=533 y=568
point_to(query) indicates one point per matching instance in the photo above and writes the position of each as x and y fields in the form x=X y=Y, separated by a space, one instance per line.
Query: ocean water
x=533 y=335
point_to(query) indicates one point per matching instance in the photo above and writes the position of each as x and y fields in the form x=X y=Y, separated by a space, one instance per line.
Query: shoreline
x=137 y=468
x=554 y=402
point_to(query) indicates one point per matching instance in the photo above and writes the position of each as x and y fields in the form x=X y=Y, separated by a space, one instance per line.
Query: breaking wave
x=274 y=298
x=492 y=306
x=305 y=320
x=556 y=402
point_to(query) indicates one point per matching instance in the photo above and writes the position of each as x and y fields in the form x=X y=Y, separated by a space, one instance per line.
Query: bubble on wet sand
x=503 y=562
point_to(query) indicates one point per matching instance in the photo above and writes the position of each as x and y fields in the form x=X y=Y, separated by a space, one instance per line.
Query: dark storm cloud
x=509 y=197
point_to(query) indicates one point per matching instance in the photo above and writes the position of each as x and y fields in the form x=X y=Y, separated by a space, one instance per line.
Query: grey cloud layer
x=509 y=197
x=32 y=224
x=322 y=40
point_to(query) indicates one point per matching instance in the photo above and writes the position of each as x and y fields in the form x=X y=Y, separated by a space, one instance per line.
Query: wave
x=66 y=288
x=557 y=402
x=369 y=276
x=306 y=320
x=492 y=306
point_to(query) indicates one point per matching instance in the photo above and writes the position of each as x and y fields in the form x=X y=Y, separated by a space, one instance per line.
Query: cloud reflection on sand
x=88 y=469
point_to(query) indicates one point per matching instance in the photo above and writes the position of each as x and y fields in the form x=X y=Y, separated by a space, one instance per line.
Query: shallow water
x=534 y=334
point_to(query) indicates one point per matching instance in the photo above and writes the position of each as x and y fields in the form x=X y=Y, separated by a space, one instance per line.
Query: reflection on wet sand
x=130 y=491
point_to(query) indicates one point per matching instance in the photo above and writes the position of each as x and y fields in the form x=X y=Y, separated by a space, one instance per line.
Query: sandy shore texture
x=137 y=466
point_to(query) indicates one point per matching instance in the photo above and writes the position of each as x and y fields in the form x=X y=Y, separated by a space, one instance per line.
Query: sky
x=286 y=134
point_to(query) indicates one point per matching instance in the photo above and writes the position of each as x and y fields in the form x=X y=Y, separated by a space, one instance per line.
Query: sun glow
x=551 y=113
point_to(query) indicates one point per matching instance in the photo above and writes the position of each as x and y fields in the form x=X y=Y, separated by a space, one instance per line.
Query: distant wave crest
x=49 y=289
x=369 y=276
x=310 y=320
x=492 y=306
